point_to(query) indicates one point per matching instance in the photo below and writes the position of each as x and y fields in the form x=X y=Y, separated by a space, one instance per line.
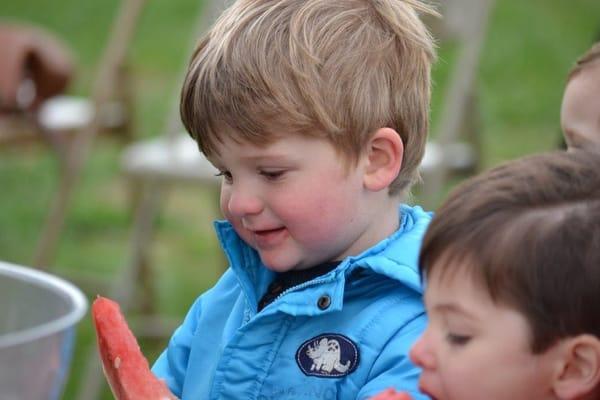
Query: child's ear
x=384 y=159
x=579 y=371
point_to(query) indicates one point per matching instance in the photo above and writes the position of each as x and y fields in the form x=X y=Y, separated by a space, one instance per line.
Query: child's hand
x=391 y=394
x=125 y=367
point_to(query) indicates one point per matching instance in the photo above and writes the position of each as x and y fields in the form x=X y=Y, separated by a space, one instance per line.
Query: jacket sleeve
x=393 y=368
x=204 y=324
x=171 y=365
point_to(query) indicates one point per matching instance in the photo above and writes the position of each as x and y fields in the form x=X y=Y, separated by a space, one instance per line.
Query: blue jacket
x=344 y=335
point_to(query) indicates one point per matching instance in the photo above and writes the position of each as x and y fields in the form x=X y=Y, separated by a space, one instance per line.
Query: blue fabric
x=226 y=350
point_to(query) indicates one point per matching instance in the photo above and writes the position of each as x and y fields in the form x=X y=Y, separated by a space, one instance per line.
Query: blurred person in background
x=34 y=65
x=580 y=111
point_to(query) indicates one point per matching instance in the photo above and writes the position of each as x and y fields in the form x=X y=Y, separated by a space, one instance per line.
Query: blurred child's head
x=580 y=111
x=335 y=70
x=511 y=263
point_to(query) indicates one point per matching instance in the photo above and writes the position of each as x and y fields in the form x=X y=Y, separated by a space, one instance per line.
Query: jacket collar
x=395 y=257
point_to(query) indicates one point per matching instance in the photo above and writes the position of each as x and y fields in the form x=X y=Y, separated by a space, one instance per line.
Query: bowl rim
x=43 y=279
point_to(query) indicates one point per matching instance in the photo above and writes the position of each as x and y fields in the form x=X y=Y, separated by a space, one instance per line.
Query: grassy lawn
x=528 y=51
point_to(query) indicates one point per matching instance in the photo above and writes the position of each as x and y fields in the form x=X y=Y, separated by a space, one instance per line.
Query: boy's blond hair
x=334 y=69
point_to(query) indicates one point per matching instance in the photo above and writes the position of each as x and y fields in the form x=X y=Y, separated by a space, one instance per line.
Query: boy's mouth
x=269 y=237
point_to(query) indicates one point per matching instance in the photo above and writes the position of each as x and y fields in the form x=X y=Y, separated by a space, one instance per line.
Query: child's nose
x=243 y=202
x=421 y=353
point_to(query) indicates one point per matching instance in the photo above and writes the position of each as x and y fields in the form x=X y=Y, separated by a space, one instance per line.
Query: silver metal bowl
x=38 y=316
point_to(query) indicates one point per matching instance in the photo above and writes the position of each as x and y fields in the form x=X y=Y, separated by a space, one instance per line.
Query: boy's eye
x=226 y=175
x=457 y=340
x=272 y=175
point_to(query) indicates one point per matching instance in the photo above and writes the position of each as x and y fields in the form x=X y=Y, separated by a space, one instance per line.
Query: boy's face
x=294 y=201
x=580 y=111
x=475 y=349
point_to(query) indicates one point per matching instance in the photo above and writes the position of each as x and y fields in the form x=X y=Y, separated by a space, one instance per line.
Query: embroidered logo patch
x=329 y=355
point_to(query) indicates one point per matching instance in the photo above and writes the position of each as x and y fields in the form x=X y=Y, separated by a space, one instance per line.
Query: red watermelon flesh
x=391 y=394
x=125 y=367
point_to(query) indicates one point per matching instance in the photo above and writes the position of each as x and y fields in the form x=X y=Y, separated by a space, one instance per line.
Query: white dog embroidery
x=325 y=355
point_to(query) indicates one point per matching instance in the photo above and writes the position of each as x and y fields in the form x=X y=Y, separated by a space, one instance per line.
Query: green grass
x=528 y=51
x=94 y=242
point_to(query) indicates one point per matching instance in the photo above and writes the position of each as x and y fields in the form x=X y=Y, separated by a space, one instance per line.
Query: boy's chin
x=289 y=259
x=277 y=265
x=278 y=269
x=284 y=265
x=281 y=268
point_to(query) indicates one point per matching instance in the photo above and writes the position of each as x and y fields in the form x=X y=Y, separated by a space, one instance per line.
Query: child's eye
x=272 y=175
x=226 y=175
x=457 y=340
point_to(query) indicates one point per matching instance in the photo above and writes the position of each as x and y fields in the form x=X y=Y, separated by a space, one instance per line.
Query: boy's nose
x=421 y=353
x=243 y=202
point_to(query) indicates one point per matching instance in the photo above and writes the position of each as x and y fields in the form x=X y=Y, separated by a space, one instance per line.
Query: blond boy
x=315 y=112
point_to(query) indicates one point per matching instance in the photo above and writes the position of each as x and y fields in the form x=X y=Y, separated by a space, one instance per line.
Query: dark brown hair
x=529 y=231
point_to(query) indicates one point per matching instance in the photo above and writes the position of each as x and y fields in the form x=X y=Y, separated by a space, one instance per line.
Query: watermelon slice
x=391 y=394
x=125 y=367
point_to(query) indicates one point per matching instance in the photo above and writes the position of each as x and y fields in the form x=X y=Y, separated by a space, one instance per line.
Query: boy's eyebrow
x=453 y=308
x=269 y=157
x=254 y=159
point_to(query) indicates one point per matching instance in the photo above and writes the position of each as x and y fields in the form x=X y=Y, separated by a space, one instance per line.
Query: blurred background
x=525 y=52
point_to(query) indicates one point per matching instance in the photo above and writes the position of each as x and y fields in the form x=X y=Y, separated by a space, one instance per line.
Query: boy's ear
x=384 y=159
x=579 y=371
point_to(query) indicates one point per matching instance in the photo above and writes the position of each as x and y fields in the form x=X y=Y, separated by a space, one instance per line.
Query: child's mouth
x=270 y=237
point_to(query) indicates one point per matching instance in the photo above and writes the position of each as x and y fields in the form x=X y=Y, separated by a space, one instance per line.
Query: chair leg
x=143 y=227
x=51 y=230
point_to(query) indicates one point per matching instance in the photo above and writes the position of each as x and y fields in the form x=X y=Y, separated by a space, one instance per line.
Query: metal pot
x=38 y=316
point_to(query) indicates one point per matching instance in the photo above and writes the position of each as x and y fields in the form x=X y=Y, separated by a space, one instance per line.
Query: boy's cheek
x=223 y=201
